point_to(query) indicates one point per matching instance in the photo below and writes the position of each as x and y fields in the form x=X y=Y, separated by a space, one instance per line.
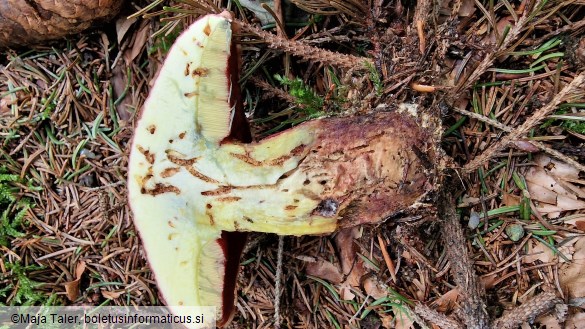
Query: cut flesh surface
x=187 y=183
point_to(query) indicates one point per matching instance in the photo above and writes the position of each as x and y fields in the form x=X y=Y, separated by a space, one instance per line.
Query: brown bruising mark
x=191 y=94
x=249 y=160
x=218 y=191
x=172 y=236
x=182 y=135
x=229 y=199
x=160 y=189
x=211 y=220
x=151 y=129
x=149 y=156
x=248 y=219
x=187 y=69
x=290 y=207
x=199 y=175
x=207 y=29
x=278 y=161
x=168 y=172
x=172 y=156
x=171 y=224
x=200 y=72
x=298 y=150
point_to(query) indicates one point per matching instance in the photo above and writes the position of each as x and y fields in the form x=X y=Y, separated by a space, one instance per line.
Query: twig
x=508 y=129
x=491 y=57
x=271 y=92
x=527 y=125
x=278 y=286
x=436 y=318
x=527 y=311
x=307 y=52
x=387 y=258
x=472 y=306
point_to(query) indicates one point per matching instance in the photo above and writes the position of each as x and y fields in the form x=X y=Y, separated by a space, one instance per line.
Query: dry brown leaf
x=572 y=274
x=555 y=185
x=446 y=302
x=375 y=288
x=549 y=322
x=111 y=294
x=123 y=24
x=324 y=270
x=345 y=291
x=538 y=251
x=138 y=43
x=525 y=146
x=467 y=8
x=489 y=281
x=403 y=320
x=119 y=80
x=557 y=168
x=72 y=287
x=576 y=320
x=351 y=265
x=511 y=200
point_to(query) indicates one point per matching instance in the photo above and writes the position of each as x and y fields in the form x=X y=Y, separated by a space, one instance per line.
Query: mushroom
x=194 y=183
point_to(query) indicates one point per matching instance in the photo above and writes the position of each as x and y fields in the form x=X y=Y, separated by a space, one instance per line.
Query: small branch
x=436 y=318
x=278 y=286
x=527 y=311
x=387 y=258
x=491 y=57
x=532 y=121
x=272 y=91
x=508 y=129
x=472 y=306
x=307 y=52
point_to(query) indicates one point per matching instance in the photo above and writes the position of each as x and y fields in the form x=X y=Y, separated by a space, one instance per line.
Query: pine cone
x=29 y=22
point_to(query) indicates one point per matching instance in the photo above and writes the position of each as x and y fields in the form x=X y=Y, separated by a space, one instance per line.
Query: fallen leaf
x=140 y=38
x=572 y=274
x=576 y=320
x=510 y=199
x=345 y=291
x=549 y=322
x=351 y=265
x=538 y=251
x=402 y=318
x=119 y=80
x=447 y=301
x=72 y=287
x=556 y=186
x=525 y=146
x=111 y=294
x=375 y=288
x=122 y=26
x=467 y=8
x=256 y=7
x=325 y=270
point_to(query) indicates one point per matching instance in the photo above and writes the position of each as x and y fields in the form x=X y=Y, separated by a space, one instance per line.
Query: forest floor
x=506 y=79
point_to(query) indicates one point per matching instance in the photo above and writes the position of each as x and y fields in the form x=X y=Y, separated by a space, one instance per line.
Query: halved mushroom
x=192 y=183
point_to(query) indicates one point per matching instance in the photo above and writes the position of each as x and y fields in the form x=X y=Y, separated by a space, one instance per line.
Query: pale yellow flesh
x=184 y=187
